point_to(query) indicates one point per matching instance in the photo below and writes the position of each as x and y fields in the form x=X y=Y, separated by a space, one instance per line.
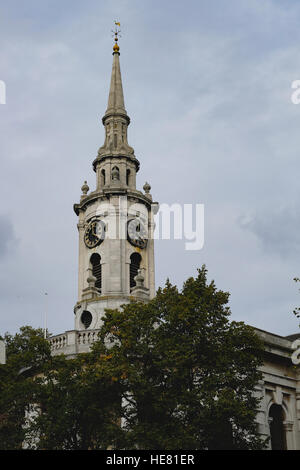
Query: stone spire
x=115 y=119
x=116 y=98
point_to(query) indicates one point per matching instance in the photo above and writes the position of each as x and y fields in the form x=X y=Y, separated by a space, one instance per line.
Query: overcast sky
x=207 y=85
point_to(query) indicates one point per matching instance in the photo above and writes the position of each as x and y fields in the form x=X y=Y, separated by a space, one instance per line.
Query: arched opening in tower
x=97 y=269
x=102 y=178
x=135 y=262
x=128 y=177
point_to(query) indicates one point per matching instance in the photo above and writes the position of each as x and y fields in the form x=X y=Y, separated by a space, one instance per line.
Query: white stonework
x=115 y=202
x=116 y=167
x=280 y=386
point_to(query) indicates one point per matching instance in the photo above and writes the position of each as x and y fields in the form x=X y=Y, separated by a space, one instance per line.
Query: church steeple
x=116 y=97
x=116 y=256
x=116 y=155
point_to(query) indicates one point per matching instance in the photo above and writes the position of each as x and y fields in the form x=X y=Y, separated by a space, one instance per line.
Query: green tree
x=78 y=407
x=174 y=373
x=297 y=310
x=186 y=374
x=53 y=402
x=27 y=351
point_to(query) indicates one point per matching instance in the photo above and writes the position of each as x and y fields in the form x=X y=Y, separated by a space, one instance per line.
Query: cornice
x=101 y=158
x=105 y=194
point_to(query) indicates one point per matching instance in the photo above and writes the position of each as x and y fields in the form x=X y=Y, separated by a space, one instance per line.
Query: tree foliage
x=187 y=374
x=78 y=407
x=54 y=402
x=27 y=352
x=297 y=310
x=174 y=373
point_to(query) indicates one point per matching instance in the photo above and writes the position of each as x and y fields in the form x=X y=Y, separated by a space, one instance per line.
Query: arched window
x=97 y=269
x=278 y=437
x=135 y=261
x=102 y=177
x=115 y=173
x=127 y=177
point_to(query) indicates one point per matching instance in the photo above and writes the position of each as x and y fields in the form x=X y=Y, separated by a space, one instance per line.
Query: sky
x=207 y=86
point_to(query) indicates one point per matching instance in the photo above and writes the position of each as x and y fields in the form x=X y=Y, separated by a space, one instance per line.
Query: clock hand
x=94 y=230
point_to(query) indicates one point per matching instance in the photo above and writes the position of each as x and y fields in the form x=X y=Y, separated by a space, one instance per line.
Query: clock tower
x=115 y=221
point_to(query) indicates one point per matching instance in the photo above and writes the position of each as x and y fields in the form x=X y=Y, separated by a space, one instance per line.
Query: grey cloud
x=7 y=235
x=276 y=228
x=208 y=96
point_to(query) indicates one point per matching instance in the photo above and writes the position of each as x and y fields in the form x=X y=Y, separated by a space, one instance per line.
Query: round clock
x=94 y=233
x=137 y=233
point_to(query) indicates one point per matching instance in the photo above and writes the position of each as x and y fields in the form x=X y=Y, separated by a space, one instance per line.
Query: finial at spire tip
x=116 y=32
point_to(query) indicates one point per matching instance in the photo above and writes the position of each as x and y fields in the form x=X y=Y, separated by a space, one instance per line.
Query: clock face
x=137 y=233
x=94 y=233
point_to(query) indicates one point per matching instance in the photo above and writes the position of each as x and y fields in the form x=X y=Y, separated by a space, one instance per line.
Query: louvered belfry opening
x=135 y=261
x=97 y=269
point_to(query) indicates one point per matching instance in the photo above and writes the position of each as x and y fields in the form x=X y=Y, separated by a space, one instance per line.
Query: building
x=279 y=414
x=116 y=266
x=116 y=253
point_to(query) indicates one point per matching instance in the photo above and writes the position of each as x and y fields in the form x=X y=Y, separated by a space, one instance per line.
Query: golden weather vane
x=116 y=32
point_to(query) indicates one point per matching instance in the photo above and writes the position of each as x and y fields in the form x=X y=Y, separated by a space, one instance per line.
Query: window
x=102 y=177
x=278 y=438
x=115 y=173
x=127 y=177
x=86 y=318
x=135 y=261
x=97 y=269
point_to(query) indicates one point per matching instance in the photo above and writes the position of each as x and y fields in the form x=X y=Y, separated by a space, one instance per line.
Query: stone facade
x=280 y=389
x=115 y=204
